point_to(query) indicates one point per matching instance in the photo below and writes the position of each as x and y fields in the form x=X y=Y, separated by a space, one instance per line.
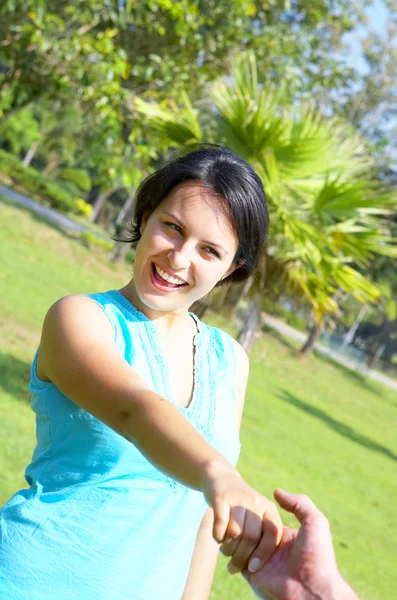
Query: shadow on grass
x=14 y=376
x=284 y=341
x=337 y=426
x=356 y=376
x=349 y=372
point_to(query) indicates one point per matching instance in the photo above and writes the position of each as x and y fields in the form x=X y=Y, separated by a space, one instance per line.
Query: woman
x=138 y=405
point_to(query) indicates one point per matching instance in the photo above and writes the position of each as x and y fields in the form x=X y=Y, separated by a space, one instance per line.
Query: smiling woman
x=138 y=407
x=187 y=245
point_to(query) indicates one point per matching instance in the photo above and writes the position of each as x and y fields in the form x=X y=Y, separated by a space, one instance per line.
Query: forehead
x=198 y=208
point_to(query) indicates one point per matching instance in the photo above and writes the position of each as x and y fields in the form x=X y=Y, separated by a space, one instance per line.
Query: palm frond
x=178 y=124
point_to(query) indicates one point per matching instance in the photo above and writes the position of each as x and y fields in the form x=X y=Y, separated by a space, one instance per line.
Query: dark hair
x=224 y=174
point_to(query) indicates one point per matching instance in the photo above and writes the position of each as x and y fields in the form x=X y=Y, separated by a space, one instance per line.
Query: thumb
x=298 y=504
x=221 y=520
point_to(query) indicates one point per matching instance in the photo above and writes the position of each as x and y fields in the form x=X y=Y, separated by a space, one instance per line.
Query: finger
x=221 y=520
x=272 y=530
x=234 y=530
x=298 y=504
x=249 y=540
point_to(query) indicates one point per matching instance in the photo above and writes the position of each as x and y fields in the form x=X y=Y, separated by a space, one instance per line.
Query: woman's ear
x=143 y=224
x=233 y=267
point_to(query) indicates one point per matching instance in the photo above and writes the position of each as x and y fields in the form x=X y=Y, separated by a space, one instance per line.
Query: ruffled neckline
x=161 y=359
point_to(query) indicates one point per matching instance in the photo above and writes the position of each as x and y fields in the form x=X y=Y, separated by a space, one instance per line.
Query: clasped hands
x=278 y=562
x=246 y=524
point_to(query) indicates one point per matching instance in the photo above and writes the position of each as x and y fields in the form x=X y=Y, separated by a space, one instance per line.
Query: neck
x=167 y=321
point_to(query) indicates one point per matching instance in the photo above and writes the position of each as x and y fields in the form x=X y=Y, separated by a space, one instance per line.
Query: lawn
x=311 y=426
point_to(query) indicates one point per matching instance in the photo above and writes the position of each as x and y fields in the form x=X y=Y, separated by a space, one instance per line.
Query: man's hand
x=303 y=566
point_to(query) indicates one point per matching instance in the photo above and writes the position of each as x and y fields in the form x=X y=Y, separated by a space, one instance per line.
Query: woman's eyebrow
x=204 y=241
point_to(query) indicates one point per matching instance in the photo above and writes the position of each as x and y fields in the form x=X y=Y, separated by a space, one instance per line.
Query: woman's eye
x=173 y=226
x=212 y=251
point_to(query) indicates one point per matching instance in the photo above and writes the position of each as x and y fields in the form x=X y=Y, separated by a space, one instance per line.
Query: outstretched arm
x=78 y=354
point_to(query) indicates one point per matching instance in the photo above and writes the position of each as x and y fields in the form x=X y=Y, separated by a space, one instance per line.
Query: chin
x=161 y=304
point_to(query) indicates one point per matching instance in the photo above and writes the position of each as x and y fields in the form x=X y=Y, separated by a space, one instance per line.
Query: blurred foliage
x=77 y=176
x=92 y=241
x=35 y=183
x=75 y=79
x=372 y=108
x=329 y=212
x=93 y=50
x=81 y=207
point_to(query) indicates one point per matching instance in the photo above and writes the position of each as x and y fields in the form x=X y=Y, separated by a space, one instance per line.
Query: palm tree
x=328 y=213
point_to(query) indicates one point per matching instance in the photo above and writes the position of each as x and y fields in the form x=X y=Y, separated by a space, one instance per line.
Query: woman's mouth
x=164 y=281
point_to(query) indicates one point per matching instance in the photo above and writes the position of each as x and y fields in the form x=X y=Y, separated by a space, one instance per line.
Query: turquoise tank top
x=98 y=521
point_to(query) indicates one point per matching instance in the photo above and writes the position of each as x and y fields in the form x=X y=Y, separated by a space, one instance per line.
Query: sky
x=377 y=18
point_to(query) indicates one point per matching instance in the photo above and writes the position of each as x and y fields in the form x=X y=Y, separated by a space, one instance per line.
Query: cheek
x=211 y=273
x=150 y=242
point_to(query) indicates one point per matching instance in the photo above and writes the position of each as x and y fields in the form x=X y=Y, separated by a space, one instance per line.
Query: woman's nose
x=181 y=257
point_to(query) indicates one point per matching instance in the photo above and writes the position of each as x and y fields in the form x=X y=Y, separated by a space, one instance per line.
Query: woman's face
x=188 y=244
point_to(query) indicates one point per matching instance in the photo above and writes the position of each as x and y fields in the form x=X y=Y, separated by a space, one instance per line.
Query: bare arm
x=203 y=565
x=206 y=550
x=78 y=354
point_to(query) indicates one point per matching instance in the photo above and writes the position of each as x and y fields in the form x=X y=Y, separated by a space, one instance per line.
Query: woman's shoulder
x=225 y=343
x=78 y=310
x=114 y=303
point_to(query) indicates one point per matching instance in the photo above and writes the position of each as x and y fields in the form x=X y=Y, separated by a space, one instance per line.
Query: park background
x=95 y=95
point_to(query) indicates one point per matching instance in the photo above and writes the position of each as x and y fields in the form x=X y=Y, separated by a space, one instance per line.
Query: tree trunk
x=314 y=334
x=249 y=332
x=119 y=252
x=120 y=249
x=124 y=209
x=236 y=293
x=30 y=154
x=98 y=204
x=217 y=298
x=374 y=356
x=232 y=298
x=350 y=334
x=53 y=162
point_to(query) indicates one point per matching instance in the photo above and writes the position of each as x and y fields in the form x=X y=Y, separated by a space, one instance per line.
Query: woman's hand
x=246 y=523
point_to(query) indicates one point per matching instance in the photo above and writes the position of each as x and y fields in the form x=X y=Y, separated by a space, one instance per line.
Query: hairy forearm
x=168 y=440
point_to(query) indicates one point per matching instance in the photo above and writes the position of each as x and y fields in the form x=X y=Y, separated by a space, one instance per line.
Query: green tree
x=372 y=106
x=96 y=57
x=328 y=214
x=92 y=51
x=20 y=133
x=48 y=50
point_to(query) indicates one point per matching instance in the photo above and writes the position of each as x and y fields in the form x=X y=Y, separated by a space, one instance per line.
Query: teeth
x=170 y=278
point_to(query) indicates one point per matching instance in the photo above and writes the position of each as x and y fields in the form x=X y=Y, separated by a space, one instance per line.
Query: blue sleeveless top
x=98 y=521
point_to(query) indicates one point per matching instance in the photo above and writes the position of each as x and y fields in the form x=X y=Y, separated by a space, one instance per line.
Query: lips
x=169 y=277
x=163 y=280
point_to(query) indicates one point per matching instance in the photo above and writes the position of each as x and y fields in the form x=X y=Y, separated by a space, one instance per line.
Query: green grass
x=312 y=427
